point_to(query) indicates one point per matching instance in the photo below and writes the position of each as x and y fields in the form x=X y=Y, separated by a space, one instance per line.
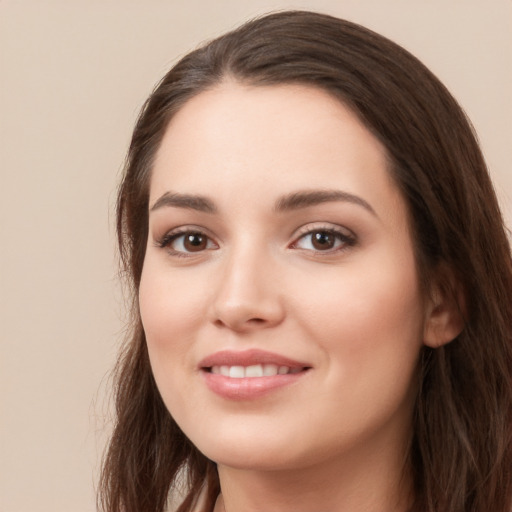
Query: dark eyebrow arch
x=305 y=198
x=192 y=202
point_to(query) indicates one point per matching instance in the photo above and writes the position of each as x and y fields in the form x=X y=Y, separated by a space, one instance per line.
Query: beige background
x=73 y=76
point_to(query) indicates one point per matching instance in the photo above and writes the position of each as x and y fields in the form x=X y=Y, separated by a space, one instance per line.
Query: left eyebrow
x=305 y=198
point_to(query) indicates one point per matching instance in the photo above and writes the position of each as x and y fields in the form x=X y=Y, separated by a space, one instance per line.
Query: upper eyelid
x=349 y=238
x=322 y=226
x=188 y=228
x=171 y=236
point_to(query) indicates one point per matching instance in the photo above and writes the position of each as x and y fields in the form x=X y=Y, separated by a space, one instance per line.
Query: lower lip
x=248 y=388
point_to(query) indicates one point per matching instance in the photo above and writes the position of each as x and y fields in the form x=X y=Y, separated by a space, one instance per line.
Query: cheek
x=369 y=330
x=367 y=319
x=171 y=310
x=169 y=301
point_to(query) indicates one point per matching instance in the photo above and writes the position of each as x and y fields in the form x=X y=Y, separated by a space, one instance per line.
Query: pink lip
x=248 y=388
x=248 y=358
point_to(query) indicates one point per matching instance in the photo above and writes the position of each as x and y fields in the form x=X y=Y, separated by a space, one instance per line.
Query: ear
x=445 y=309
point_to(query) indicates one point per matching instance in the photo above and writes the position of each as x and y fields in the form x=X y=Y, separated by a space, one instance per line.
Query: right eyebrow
x=192 y=202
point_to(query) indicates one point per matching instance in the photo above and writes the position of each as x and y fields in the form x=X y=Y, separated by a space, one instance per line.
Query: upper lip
x=248 y=358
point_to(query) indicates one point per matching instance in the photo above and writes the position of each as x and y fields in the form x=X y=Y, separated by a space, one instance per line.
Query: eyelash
x=344 y=240
x=166 y=241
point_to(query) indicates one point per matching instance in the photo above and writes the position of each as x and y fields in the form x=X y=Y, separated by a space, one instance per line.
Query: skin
x=336 y=439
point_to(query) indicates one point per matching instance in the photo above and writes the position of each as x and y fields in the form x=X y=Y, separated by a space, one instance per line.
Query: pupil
x=323 y=240
x=195 y=239
x=195 y=242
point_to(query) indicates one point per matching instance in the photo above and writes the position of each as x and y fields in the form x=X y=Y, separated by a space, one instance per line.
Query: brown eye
x=188 y=242
x=323 y=240
x=193 y=242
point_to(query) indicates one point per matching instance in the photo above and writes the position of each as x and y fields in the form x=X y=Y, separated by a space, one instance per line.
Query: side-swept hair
x=461 y=453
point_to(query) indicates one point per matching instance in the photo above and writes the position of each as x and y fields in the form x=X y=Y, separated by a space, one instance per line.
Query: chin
x=248 y=448
x=260 y=449
x=248 y=458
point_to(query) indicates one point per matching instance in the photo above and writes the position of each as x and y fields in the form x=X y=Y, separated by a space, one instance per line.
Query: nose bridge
x=246 y=295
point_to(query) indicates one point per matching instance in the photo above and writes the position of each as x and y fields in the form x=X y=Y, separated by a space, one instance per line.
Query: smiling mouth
x=250 y=374
x=254 y=371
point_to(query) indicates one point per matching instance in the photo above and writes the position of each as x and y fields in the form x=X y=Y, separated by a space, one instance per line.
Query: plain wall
x=73 y=75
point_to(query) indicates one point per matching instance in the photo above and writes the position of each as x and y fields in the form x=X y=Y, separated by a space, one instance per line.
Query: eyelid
x=348 y=237
x=171 y=235
x=323 y=226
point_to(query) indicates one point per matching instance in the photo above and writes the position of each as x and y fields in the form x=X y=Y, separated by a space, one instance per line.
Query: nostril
x=251 y=321
x=240 y=315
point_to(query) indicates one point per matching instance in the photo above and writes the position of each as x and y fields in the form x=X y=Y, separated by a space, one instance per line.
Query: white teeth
x=237 y=372
x=255 y=370
x=269 y=370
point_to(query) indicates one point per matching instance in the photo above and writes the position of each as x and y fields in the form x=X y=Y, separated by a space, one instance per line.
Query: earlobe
x=445 y=311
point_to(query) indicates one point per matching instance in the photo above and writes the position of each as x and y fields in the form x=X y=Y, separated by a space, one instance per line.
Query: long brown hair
x=461 y=453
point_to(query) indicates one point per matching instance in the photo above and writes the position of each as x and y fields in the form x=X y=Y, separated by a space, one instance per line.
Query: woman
x=322 y=285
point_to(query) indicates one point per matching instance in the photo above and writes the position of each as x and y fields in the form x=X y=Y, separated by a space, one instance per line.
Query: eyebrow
x=305 y=198
x=293 y=201
x=192 y=202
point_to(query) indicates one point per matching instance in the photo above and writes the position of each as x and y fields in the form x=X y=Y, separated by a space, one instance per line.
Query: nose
x=248 y=295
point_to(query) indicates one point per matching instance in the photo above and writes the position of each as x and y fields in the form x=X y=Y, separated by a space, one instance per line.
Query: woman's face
x=279 y=295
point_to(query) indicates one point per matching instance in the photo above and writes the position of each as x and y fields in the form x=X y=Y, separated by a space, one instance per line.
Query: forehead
x=235 y=138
